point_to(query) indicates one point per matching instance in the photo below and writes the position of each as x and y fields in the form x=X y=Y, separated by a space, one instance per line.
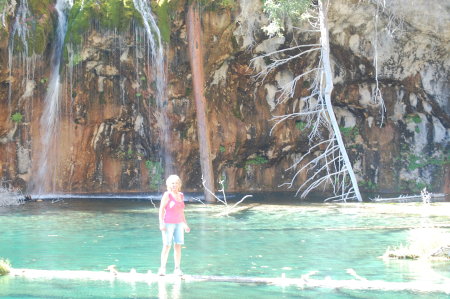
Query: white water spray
x=49 y=123
x=155 y=54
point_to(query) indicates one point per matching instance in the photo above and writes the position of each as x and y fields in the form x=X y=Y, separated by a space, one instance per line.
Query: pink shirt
x=174 y=210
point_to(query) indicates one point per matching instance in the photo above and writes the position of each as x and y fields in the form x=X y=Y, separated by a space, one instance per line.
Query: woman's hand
x=162 y=226
x=186 y=228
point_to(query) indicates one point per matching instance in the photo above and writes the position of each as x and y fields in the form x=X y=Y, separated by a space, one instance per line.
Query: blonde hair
x=171 y=178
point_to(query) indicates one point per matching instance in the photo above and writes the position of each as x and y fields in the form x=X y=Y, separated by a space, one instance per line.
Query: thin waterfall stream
x=50 y=116
x=155 y=55
x=19 y=29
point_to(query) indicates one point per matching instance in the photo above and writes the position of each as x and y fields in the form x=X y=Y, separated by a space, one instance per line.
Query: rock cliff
x=109 y=136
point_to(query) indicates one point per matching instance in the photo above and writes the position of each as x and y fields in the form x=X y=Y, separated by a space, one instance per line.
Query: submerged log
x=303 y=282
x=382 y=227
x=410 y=198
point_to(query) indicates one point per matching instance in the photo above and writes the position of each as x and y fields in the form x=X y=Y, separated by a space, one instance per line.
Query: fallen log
x=303 y=282
x=435 y=225
x=410 y=198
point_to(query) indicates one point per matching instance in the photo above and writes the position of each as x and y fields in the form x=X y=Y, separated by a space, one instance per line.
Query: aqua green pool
x=265 y=241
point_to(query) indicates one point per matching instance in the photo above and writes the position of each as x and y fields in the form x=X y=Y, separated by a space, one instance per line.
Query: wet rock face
x=111 y=140
x=413 y=63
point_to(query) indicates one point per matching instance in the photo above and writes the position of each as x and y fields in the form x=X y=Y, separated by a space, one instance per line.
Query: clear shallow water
x=265 y=241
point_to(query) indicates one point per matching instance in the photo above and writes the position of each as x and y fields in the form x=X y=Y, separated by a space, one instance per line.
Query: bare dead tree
x=331 y=167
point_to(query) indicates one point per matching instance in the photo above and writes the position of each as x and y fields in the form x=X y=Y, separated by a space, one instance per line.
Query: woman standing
x=172 y=223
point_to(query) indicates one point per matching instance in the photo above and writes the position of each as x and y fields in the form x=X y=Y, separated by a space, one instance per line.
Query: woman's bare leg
x=164 y=255
x=177 y=255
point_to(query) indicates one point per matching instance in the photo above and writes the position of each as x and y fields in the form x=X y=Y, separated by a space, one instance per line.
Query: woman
x=172 y=223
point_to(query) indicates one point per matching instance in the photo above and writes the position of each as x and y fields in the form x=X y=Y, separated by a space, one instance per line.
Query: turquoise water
x=264 y=241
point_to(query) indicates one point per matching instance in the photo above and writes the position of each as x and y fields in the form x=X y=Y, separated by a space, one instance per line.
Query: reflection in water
x=164 y=289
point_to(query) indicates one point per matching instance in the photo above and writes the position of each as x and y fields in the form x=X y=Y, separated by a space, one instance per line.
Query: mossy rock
x=162 y=8
x=41 y=25
x=111 y=14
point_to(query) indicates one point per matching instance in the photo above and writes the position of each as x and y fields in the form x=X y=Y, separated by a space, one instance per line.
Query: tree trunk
x=196 y=59
x=325 y=42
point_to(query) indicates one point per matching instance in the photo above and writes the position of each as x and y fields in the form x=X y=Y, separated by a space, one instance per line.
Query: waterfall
x=49 y=122
x=19 y=29
x=155 y=55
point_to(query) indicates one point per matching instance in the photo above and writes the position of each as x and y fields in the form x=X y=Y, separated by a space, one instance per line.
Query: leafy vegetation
x=39 y=25
x=17 y=117
x=349 y=132
x=2 y=4
x=301 y=125
x=155 y=173
x=368 y=185
x=258 y=160
x=279 y=10
x=5 y=266
x=414 y=118
x=214 y=5
x=112 y=14
x=415 y=162
x=162 y=8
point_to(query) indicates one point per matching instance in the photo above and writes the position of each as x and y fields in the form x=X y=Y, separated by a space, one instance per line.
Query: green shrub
x=414 y=118
x=155 y=173
x=349 y=132
x=5 y=267
x=17 y=117
x=301 y=125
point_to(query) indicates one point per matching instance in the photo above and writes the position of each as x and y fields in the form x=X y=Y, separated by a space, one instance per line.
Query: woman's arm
x=162 y=210
x=186 y=226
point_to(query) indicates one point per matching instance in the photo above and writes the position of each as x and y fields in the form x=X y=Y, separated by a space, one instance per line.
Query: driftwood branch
x=228 y=210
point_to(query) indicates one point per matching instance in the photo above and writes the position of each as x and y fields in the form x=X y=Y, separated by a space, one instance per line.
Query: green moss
x=414 y=186
x=222 y=149
x=258 y=160
x=76 y=59
x=301 y=125
x=161 y=8
x=111 y=14
x=349 y=132
x=41 y=25
x=40 y=7
x=155 y=173
x=79 y=21
x=2 y=4
x=130 y=154
x=368 y=185
x=415 y=162
x=414 y=118
x=214 y=5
